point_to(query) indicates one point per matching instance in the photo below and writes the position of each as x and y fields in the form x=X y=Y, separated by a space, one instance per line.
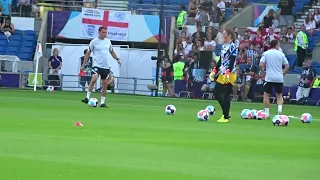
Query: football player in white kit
x=100 y=47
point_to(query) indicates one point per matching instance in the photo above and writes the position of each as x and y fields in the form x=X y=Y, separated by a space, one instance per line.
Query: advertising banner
x=11 y=80
x=32 y=80
x=260 y=11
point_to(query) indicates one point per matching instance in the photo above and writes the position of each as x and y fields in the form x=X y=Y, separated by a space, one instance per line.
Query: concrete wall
x=316 y=52
x=243 y=19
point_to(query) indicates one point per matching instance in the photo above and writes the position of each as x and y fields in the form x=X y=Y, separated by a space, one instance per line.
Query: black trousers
x=222 y=93
x=301 y=54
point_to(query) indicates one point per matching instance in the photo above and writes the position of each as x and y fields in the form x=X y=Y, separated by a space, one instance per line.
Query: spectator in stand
x=200 y=45
x=271 y=35
x=221 y=5
x=185 y=29
x=25 y=7
x=238 y=85
x=179 y=50
x=7 y=28
x=283 y=33
x=258 y=39
x=197 y=37
x=188 y=46
x=250 y=72
x=215 y=15
x=209 y=44
x=268 y=19
x=7 y=10
x=290 y=35
x=286 y=18
x=219 y=38
x=316 y=17
x=201 y=33
x=182 y=18
x=193 y=4
x=209 y=86
x=239 y=5
x=202 y=16
x=245 y=42
x=301 y=45
x=242 y=57
x=308 y=76
x=237 y=40
x=266 y=43
x=183 y=38
x=246 y=35
x=252 y=53
x=194 y=50
x=310 y=24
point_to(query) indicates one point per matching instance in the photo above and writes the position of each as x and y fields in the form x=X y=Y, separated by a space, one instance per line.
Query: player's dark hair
x=101 y=28
x=274 y=43
x=85 y=51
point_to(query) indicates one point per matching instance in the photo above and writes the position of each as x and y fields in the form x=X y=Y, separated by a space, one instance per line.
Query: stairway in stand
x=302 y=16
x=117 y=5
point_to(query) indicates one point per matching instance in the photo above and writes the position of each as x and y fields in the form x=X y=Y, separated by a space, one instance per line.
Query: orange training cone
x=78 y=124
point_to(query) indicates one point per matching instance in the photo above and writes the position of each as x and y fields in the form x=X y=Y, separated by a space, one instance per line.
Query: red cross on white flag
x=116 y=23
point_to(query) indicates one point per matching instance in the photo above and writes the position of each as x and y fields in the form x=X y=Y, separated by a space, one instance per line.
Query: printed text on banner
x=116 y=23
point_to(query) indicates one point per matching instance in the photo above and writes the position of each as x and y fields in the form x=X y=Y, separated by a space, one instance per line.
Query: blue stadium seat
x=12 y=50
x=229 y=13
x=17 y=31
x=14 y=43
x=317 y=69
x=29 y=33
x=26 y=50
x=315 y=64
x=17 y=37
x=3 y=42
x=299 y=5
x=29 y=38
x=3 y=37
x=2 y=50
x=28 y=44
x=292 y=59
x=25 y=57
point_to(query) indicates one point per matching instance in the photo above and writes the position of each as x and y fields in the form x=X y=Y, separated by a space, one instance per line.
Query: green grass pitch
x=134 y=139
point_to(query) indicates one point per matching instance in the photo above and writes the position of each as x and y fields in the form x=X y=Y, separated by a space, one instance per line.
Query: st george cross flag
x=116 y=23
x=264 y=32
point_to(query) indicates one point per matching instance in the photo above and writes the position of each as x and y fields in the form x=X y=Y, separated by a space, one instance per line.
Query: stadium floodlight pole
x=159 y=45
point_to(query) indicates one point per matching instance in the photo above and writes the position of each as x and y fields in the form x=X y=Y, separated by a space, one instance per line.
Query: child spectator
x=290 y=35
x=266 y=43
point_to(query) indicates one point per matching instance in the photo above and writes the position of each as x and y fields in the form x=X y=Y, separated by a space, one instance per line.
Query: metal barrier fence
x=126 y=85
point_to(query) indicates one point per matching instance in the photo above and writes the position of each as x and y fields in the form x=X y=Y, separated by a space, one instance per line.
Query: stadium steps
x=116 y=5
x=306 y=10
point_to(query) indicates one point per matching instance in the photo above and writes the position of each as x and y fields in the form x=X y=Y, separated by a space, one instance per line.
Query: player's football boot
x=223 y=120
x=85 y=100
x=104 y=106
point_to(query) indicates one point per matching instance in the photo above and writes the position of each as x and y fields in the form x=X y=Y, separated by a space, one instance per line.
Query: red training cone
x=78 y=124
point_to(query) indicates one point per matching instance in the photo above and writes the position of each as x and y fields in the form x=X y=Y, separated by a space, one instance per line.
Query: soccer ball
x=280 y=120
x=211 y=110
x=93 y=102
x=246 y=114
x=306 y=118
x=203 y=115
x=254 y=113
x=170 y=110
x=50 y=89
x=261 y=115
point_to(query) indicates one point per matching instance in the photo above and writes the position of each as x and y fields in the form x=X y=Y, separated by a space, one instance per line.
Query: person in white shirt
x=188 y=46
x=310 y=24
x=219 y=38
x=272 y=62
x=101 y=47
x=221 y=5
x=209 y=44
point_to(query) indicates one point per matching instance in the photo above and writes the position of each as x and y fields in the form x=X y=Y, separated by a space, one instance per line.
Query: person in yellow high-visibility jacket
x=224 y=73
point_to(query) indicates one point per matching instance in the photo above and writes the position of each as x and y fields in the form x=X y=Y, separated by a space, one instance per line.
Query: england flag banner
x=116 y=23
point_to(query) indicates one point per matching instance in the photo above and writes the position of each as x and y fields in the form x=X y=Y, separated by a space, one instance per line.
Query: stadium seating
x=20 y=44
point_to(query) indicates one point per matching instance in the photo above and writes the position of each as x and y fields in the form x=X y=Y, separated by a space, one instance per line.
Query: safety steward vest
x=305 y=40
x=180 y=19
x=316 y=83
x=178 y=70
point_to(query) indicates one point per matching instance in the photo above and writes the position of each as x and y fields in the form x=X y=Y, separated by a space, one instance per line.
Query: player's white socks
x=267 y=111
x=88 y=95
x=103 y=99
x=280 y=108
